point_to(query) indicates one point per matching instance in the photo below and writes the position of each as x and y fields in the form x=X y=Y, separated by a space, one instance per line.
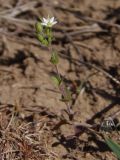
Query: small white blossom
x=49 y=22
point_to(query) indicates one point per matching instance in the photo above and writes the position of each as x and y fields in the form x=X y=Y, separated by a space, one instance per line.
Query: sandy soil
x=30 y=105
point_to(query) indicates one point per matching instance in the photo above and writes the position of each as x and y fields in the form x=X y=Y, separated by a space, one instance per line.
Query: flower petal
x=52 y=20
x=48 y=21
x=45 y=20
x=44 y=24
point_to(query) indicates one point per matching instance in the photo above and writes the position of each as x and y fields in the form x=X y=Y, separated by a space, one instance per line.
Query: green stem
x=62 y=88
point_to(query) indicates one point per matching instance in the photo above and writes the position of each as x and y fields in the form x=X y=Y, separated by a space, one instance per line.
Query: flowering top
x=49 y=22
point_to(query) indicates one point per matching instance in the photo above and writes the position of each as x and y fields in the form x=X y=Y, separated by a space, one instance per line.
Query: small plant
x=114 y=147
x=45 y=36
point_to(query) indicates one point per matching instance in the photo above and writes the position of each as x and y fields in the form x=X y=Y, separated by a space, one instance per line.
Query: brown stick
x=85 y=18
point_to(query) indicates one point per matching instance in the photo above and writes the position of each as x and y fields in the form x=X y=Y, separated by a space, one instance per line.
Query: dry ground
x=87 y=38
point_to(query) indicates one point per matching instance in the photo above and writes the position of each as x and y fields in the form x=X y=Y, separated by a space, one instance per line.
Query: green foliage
x=48 y=32
x=54 y=58
x=57 y=80
x=114 y=147
x=38 y=27
x=67 y=96
x=80 y=87
x=45 y=42
x=44 y=34
x=40 y=38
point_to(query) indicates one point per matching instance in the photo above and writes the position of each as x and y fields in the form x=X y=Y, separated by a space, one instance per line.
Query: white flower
x=49 y=22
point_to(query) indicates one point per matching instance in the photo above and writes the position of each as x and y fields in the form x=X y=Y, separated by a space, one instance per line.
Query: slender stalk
x=62 y=88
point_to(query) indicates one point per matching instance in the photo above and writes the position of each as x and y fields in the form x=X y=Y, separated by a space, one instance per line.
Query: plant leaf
x=54 y=58
x=57 y=80
x=114 y=147
x=68 y=96
x=38 y=27
x=40 y=38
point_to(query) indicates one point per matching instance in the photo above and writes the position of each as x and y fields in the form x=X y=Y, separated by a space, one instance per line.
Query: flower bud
x=38 y=27
x=40 y=38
